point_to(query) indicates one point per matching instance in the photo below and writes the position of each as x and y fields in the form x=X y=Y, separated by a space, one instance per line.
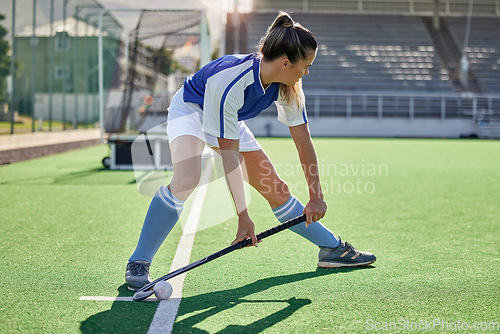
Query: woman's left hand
x=315 y=210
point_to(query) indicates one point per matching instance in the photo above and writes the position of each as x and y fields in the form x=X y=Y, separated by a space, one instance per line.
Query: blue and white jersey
x=229 y=90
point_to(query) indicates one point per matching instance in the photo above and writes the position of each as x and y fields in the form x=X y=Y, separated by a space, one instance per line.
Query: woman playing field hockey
x=210 y=109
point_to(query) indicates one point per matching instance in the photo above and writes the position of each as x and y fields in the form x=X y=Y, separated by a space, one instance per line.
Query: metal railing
x=409 y=105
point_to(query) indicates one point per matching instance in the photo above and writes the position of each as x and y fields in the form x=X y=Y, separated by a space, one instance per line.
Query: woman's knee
x=183 y=183
x=190 y=181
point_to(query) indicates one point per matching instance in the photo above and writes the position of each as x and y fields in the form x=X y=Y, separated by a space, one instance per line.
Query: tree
x=4 y=60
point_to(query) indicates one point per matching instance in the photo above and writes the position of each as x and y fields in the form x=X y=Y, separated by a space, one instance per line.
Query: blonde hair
x=286 y=37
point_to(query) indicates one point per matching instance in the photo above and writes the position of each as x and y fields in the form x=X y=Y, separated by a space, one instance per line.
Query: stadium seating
x=374 y=65
x=364 y=52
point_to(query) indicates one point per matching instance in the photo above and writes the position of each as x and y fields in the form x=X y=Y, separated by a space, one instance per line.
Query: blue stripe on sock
x=169 y=199
x=284 y=209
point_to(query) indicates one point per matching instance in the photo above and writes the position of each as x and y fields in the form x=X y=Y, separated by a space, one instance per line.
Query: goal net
x=158 y=53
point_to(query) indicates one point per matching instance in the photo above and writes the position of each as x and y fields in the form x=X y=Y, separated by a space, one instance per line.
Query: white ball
x=163 y=290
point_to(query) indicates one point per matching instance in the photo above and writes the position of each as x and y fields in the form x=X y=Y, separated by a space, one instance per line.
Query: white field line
x=164 y=318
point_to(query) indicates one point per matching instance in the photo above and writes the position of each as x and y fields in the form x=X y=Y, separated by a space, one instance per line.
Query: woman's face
x=293 y=72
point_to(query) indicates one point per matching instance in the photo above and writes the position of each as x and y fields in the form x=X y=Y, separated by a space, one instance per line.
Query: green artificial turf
x=68 y=227
x=427 y=208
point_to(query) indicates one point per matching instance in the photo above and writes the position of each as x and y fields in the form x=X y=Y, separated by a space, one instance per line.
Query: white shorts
x=185 y=118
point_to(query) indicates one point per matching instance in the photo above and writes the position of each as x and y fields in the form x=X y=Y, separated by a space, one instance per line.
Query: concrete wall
x=370 y=127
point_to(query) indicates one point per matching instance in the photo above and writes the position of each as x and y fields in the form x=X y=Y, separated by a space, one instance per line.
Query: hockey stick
x=147 y=290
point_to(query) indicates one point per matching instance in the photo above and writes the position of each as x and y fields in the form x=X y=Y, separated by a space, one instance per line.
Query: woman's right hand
x=246 y=228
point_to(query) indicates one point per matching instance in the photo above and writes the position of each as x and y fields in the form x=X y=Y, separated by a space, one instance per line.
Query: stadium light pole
x=33 y=68
x=51 y=61
x=75 y=66
x=86 y=89
x=13 y=68
x=101 y=75
x=65 y=62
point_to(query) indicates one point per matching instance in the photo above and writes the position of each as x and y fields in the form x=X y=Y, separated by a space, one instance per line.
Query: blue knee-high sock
x=315 y=232
x=163 y=213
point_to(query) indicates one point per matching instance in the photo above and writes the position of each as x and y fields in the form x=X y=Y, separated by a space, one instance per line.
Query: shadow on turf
x=136 y=316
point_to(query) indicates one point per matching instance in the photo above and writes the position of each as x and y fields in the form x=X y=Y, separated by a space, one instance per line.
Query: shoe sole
x=132 y=288
x=340 y=264
x=135 y=288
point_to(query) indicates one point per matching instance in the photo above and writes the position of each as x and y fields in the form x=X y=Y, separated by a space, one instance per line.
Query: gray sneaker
x=345 y=255
x=137 y=274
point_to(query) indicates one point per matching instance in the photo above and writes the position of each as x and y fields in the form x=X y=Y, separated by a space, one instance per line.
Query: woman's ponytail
x=282 y=20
